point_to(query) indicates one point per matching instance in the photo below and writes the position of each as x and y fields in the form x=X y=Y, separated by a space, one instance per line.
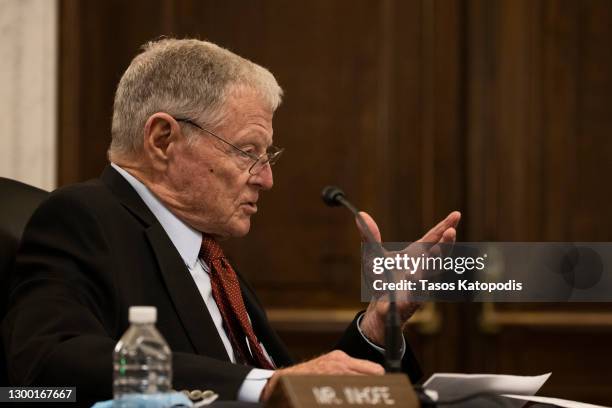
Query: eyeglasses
x=269 y=157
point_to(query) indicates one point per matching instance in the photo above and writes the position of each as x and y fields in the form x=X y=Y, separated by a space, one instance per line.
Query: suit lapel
x=189 y=305
x=265 y=334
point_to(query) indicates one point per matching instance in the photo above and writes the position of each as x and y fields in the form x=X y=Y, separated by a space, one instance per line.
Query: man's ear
x=160 y=132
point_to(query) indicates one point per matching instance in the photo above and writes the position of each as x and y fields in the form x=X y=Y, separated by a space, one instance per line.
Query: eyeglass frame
x=272 y=157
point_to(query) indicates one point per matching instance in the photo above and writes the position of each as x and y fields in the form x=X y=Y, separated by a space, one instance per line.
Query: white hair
x=185 y=78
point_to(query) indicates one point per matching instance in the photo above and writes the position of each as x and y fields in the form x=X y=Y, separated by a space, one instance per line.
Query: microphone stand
x=393 y=332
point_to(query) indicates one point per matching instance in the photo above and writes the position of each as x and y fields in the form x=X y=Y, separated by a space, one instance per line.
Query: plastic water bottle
x=142 y=360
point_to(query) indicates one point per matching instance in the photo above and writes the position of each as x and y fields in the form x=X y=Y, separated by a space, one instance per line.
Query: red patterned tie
x=227 y=295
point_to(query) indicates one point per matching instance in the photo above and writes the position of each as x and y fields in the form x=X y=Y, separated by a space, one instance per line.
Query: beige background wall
x=28 y=102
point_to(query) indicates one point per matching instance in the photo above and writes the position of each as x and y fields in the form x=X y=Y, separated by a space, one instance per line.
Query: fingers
x=436 y=233
x=444 y=231
x=449 y=236
x=448 y=239
x=363 y=367
x=371 y=224
x=336 y=363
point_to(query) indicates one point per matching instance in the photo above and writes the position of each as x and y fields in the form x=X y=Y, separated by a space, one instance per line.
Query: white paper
x=555 y=401
x=452 y=386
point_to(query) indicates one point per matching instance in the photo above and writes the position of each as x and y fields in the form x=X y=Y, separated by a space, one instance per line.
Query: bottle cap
x=143 y=314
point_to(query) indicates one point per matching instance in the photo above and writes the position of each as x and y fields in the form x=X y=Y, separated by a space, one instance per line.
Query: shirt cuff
x=253 y=385
x=374 y=346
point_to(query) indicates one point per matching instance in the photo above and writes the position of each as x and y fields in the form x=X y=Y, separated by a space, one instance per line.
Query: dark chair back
x=17 y=203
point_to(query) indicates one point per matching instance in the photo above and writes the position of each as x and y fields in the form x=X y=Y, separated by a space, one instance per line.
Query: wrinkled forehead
x=246 y=109
x=244 y=101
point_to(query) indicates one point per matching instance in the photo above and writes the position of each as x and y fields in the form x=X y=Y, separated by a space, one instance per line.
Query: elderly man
x=191 y=152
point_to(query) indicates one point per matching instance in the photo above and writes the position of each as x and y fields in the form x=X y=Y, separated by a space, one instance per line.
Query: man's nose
x=264 y=178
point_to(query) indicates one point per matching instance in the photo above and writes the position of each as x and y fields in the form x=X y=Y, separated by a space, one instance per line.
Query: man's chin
x=230 y=230
x=241 y=229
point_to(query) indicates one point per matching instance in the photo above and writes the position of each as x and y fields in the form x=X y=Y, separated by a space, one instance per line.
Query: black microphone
x=334 y=197
x=331 y=196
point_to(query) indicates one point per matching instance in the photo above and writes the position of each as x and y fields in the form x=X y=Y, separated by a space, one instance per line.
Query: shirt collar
x=186 y=239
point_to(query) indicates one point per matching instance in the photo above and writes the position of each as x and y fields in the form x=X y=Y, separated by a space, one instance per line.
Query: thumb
x=371 y=224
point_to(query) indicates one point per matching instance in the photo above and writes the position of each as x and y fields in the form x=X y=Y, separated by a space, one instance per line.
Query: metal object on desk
x=201 y=398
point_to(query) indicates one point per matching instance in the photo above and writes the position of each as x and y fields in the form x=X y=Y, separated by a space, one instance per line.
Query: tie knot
x=210 y=249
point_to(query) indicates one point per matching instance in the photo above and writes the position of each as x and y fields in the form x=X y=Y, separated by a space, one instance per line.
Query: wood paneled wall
x=539 y=77
x=498 y=108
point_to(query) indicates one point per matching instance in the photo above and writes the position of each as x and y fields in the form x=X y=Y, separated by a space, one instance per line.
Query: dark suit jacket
x=89 y=252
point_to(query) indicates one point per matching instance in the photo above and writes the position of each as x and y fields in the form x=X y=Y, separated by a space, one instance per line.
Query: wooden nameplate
x=310 y=391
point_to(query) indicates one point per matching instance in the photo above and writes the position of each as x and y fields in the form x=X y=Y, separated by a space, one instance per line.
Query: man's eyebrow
x=259 y=134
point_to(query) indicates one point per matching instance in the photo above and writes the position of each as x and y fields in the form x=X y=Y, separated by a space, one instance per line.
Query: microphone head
x=331 y=194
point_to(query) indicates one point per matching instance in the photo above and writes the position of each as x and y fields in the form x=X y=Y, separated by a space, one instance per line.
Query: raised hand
x=373 y=322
